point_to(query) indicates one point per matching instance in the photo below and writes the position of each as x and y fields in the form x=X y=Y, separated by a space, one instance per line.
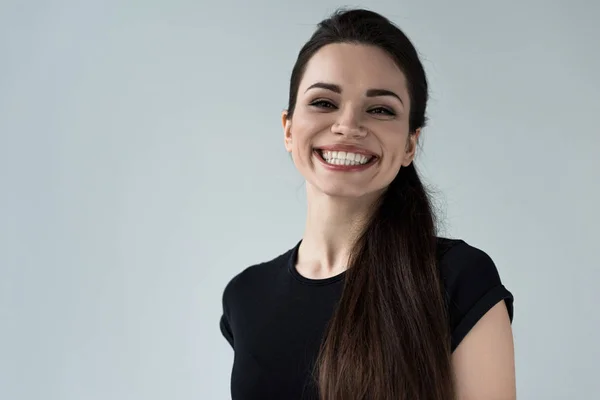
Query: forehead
x=354 y=66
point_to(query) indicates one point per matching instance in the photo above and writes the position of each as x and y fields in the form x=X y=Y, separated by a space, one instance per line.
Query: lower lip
x=346 y=168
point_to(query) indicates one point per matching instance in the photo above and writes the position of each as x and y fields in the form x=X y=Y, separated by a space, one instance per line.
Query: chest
x=276 y=346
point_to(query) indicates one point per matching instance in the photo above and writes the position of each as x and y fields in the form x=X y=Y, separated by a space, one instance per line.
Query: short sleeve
x=473 y=287
x=226 y=329
x=224 y=323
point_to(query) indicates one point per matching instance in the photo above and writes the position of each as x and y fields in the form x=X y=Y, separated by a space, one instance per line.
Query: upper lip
x=347 y=148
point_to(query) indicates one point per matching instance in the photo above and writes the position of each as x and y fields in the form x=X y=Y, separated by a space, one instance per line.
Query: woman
x=370 y=304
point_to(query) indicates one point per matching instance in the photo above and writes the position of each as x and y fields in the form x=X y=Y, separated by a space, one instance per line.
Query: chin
x=346 y=191
x=346 y=187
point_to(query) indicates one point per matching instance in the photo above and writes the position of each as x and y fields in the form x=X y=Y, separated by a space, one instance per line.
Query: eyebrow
x=337 y=89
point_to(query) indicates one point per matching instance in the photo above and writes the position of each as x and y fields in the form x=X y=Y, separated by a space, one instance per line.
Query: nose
x=348 y=124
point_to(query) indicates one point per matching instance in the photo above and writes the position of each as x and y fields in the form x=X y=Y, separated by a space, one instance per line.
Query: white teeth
x=344 y=158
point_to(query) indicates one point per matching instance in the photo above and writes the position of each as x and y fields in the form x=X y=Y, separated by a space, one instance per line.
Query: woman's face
x=349 y=134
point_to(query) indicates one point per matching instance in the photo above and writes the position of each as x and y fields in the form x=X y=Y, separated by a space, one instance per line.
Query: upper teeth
x=344 y=158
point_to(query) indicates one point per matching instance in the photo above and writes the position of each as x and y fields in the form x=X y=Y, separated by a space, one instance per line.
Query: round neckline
x=310 y=281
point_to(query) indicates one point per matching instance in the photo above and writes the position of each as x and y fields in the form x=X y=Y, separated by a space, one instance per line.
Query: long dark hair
x=389 y=335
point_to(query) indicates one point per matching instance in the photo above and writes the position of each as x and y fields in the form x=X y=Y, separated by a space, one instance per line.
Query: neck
x=333 y=225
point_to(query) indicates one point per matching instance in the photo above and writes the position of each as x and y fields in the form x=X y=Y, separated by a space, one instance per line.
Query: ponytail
x=388 y=337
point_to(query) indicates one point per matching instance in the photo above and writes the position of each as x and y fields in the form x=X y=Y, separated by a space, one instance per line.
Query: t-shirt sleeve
x=224 y=323
x=473 y=287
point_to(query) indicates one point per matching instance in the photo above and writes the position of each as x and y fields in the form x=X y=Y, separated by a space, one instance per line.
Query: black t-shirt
x=275 y=319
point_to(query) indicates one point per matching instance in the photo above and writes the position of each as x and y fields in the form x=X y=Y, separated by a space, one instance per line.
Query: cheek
x=308 y=125
x=395 y=148
x=301 y=147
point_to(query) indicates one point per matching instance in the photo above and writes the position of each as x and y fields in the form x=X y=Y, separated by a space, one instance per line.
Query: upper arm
x=483 y=362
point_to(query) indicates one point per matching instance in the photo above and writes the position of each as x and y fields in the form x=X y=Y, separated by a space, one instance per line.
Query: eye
x=323 y=104
x=382 y=111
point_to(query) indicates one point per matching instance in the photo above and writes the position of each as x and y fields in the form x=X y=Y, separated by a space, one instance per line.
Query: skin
x=339 y=202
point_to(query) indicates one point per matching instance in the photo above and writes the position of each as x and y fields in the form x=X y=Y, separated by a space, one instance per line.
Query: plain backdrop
x=142 y=166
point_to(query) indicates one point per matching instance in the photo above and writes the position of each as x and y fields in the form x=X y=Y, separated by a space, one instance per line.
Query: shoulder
x=472 y=285
x=254 y=276
x=245 y=292
x=457 y=258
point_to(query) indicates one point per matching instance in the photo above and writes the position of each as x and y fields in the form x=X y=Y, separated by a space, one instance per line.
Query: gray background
x=142 y=166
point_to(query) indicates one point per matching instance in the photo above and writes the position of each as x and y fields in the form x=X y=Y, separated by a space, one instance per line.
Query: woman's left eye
x=382 y=111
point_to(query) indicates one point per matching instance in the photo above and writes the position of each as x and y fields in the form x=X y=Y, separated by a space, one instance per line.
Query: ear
x=411 y=147
x=287 y=131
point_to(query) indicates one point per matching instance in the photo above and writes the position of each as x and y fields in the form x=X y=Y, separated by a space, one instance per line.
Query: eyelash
x=328 y=104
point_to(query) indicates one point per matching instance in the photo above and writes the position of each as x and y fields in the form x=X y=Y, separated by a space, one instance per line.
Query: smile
x=344 y=160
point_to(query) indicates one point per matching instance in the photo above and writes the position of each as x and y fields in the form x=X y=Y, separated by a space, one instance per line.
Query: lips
x=344 y=158
x=339 y=160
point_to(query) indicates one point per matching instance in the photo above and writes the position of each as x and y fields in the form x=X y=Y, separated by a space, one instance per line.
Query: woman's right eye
x=322 y=104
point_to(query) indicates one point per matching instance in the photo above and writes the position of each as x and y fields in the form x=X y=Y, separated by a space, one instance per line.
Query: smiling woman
x=358 y=109
x=370 y=303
